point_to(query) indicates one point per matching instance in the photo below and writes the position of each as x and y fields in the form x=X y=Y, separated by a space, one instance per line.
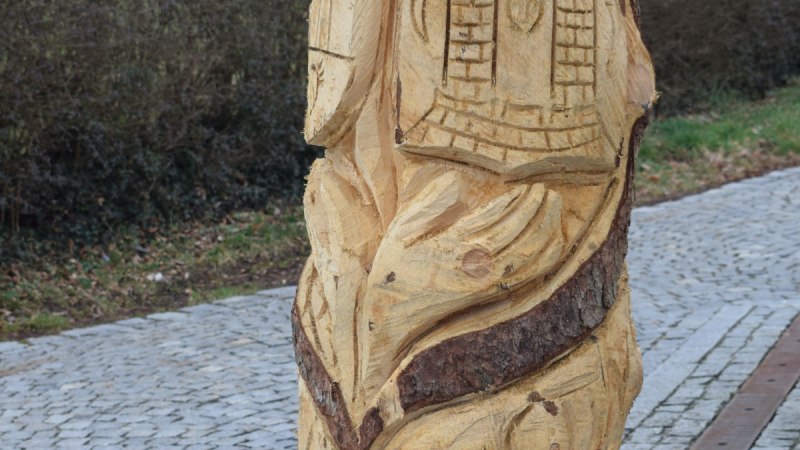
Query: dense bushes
x=147 y=111
x=150 y=111
x=705 y=48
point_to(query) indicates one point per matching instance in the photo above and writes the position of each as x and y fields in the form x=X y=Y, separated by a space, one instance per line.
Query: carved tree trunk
x=467 y=286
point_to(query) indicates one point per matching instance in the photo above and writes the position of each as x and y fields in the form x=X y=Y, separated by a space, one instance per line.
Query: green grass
x=40 y=324
x=734 y=124
x=736 y=139
x=247 y=252
x=223 y=292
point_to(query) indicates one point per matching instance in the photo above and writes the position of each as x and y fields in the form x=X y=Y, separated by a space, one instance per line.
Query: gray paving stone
x=99 y=330
x=731 y=246
x=168 y=316
x=18 y=435
x=785 y=426
x=12 y=413
x=240 y=302
x=38 y=444
x=661 y=383
x=643 y=437
x=75 y=425
x=71 y=444
x=204 y=309
x=73 y=434
x=7 y=348
x=284 y=293
x=136 y=322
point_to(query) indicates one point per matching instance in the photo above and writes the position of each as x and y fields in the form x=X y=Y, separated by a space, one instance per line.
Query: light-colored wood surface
x=476 y=178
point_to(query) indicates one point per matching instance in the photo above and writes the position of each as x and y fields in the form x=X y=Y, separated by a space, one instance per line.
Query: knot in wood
x=477 y=263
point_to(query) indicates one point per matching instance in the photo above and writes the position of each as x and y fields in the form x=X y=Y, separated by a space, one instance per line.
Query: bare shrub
x=146 y=111
x=704 y=48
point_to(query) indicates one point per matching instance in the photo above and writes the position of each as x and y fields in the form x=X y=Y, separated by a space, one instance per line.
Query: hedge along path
x=467 y=285
x=125 y=115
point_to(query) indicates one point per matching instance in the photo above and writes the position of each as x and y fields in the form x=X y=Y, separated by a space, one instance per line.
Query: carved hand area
x=445 y=230
x=451 y=249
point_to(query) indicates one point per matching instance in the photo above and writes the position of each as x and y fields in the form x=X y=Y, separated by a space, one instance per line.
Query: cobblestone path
x=715 y=280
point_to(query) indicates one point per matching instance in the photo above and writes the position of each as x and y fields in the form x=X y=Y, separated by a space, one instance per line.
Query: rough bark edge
x=635 y=9
x=490 y=358
x=328 y=397
x=477 y=361
x=637 y=13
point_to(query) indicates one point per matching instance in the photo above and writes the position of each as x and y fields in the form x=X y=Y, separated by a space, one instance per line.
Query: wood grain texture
x=466 y=287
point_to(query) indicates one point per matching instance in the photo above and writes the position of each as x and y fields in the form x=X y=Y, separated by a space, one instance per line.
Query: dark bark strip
x=490 y=358
x=637 y=12
x=493 y=357
x=328 y=397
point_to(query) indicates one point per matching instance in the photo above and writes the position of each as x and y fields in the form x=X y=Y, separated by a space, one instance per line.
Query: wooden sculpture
x=467 y=286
